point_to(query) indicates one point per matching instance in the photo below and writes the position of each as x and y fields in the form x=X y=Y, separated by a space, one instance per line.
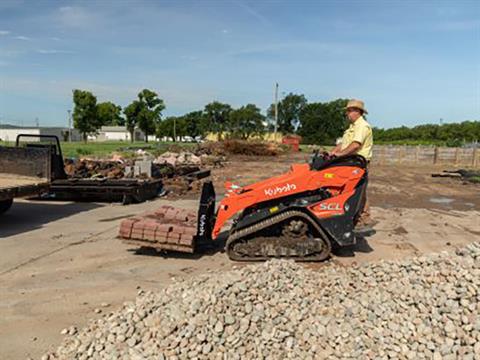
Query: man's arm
x=349 y=150
x=336 y=149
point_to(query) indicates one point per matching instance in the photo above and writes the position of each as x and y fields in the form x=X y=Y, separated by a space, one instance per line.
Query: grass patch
x=106 y=148
x=474 y=179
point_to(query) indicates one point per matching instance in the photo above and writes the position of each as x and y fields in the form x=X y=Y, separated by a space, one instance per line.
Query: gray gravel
x=421 y=308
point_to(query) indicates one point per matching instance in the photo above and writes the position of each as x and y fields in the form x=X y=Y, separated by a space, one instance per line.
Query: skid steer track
x=248 y=245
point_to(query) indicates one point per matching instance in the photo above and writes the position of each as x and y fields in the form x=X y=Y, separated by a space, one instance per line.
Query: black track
x=248 y=244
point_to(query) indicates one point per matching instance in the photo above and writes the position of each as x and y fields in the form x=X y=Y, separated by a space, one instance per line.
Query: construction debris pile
x=166 y=165
x=243 y=147
x=421 y=308
x=87 y=168
x=181 y=172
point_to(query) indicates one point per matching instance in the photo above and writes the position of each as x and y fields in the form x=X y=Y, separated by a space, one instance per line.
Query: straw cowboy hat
x=357 y=104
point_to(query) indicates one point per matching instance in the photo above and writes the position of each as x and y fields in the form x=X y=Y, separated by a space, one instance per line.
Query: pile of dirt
x=243 y=147
x=88 y=168
x=420 y=308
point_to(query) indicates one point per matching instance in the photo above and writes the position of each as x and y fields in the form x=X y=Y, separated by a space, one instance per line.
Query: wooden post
x=457 y=151
x=435 y=155
x=474 y=157
x=417 y=152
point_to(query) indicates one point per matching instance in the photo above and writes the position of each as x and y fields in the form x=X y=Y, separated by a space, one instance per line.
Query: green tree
x=195 y=124
x=289 y=110
x=110 y=114
x=150 y=112
x=451 y=134
x=85 y=113
x=168 y=127
x=132 y=112
x=323 y=123
x=217 y=115
x=246 y=121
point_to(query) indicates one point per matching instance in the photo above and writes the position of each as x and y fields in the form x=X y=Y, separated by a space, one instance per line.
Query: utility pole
x=276 y=111
x=69 y=125
x=174 y=129
x=37 y=123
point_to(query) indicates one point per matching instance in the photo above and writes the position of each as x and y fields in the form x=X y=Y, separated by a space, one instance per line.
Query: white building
x=10 y=133
x=119 y=133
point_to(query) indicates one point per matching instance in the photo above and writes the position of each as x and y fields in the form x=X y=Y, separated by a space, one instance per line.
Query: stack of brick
x=167 y=228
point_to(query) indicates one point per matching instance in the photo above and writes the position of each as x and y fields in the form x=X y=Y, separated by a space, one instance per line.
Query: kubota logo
x=331 y=207
x=202 y=222
x=280 y=189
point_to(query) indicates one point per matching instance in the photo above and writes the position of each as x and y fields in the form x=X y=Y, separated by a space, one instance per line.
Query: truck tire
x=5 y=205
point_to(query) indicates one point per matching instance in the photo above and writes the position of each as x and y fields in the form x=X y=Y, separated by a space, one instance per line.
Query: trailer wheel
x=5 y=205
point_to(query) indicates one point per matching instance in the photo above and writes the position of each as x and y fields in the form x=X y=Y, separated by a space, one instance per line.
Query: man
x=357 y=139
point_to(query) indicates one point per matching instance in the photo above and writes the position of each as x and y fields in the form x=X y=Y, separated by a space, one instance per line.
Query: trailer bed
x=23 y=172
x=112 y=190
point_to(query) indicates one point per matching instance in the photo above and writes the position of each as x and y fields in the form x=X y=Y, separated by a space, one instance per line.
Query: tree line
x=454 y=134
x=145 y=113
x=316 y=122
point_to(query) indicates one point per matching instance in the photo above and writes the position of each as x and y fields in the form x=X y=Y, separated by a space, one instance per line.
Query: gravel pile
x=421 y=308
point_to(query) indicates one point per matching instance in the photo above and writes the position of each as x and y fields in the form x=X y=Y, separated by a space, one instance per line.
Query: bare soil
x=60 y=261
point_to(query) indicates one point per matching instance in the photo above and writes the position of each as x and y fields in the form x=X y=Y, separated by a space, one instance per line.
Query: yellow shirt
x=361 y=132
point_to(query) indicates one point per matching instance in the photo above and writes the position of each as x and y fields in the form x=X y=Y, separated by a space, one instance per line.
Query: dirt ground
x=60 y=261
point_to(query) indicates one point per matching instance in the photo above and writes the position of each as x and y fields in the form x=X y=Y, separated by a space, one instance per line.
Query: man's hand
x=349 y=150
x=335 y=150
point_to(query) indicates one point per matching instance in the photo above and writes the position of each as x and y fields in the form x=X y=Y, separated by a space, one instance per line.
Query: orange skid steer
x=300 y=215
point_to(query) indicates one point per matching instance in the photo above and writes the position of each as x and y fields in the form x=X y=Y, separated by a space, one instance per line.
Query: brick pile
x=167 y=228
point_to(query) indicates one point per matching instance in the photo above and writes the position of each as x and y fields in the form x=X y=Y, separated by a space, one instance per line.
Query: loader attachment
x=206 y=214
x=175 y=229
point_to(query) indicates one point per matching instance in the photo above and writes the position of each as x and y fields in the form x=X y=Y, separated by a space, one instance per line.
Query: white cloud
x=23 y=38
x=4 y=32
x=76 y=17
x=54 y=51
x=55 y=38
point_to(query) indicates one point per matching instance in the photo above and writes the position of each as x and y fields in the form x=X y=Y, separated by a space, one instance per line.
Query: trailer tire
x=5 y=205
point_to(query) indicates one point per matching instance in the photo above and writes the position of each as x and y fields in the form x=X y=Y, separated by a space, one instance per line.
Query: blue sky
x=411 y=61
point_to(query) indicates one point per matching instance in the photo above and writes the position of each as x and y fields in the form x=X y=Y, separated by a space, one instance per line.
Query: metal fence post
x=435 y=155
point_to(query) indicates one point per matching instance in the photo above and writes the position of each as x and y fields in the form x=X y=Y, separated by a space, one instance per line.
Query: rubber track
x=237 y=235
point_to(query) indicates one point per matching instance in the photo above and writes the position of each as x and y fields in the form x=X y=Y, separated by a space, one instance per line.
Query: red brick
x=161 y=236
x=189 y=230
x=137 y=234
x=162 y=210
x=150 y=225
x=186 y=240
x=181 y=217
x=125 y=229
x=171 y=213
x=139 y=225
x=173 y=237
x=164 y=227
x=149 y=235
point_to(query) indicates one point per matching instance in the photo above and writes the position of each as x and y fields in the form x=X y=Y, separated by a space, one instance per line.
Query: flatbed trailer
x=126 y=191
x=24 y=172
